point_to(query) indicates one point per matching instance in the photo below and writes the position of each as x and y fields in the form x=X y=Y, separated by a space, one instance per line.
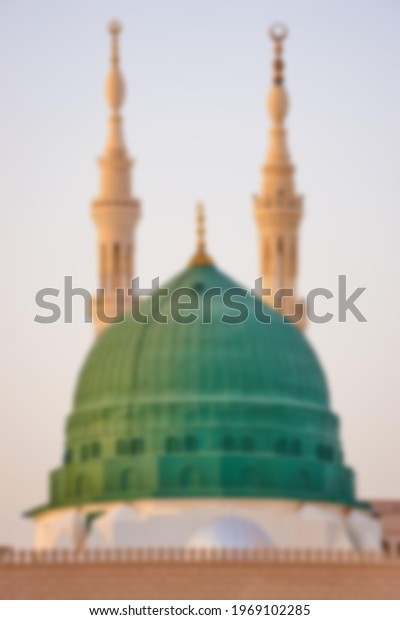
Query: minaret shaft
x=278 y=208
x=115 y=211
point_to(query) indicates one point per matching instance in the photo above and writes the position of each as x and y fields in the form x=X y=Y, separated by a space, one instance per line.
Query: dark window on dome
x=136 y=446
x=96 y=450
x=122 y=447
x=190 y=443
x=228 y=443
x=325 y=452
x=172 y=444
x=85 y=452
x=296 y=447
x=247 y=444
x=281 y=446
x=68 y=457
x=198 y=287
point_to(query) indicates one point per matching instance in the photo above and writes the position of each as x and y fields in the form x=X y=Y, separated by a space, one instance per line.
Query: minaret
x=115 y=211
x=278 y=208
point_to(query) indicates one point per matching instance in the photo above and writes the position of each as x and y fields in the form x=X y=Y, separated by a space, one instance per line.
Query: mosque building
x=209 y=434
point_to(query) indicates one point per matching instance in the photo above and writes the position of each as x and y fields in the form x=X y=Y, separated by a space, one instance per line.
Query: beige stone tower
x=278 y=208
x=115 y=211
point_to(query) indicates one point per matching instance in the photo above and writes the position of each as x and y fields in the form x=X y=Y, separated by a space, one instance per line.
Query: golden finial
x=200 y=257
x=278 y=33
x=200 y=228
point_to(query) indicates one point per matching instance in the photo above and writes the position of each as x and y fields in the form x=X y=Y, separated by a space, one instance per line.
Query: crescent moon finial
x=278 y=32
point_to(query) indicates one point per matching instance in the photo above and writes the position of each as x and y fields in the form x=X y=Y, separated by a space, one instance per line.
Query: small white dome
x=230 y=533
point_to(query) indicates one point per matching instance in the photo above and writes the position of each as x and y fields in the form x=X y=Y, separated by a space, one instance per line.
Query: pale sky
x=197 y=73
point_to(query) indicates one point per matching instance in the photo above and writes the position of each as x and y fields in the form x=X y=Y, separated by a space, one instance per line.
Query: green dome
x=202 y=409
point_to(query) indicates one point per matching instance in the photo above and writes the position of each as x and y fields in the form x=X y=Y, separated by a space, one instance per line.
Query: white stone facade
x=219 y=523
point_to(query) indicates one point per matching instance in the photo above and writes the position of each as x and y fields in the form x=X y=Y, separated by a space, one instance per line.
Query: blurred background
x=197 y=75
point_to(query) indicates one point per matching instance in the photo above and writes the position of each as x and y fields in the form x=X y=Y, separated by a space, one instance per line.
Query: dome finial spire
x=201 y=231
x=200 y=256
x=278 y=33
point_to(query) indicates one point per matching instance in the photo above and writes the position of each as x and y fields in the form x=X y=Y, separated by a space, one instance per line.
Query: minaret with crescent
x=115 y=211
x=278 y=208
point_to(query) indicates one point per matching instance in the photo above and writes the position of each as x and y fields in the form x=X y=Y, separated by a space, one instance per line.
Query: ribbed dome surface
x=174 y=361
x=204 y=409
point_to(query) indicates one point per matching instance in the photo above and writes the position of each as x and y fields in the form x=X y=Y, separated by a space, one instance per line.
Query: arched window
x=136 y=445
x=128 y=265
x=122 y=447
x=190 y=443
x=279 y=258
x=172 y=444
x=281 y=446
x=117 y=264
x=228 y=443
x=247 y=444
x=85 y=452
x=190 y=476
x=96 y=450
x=324 y=452
x=103 y=266
x=296 y=447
